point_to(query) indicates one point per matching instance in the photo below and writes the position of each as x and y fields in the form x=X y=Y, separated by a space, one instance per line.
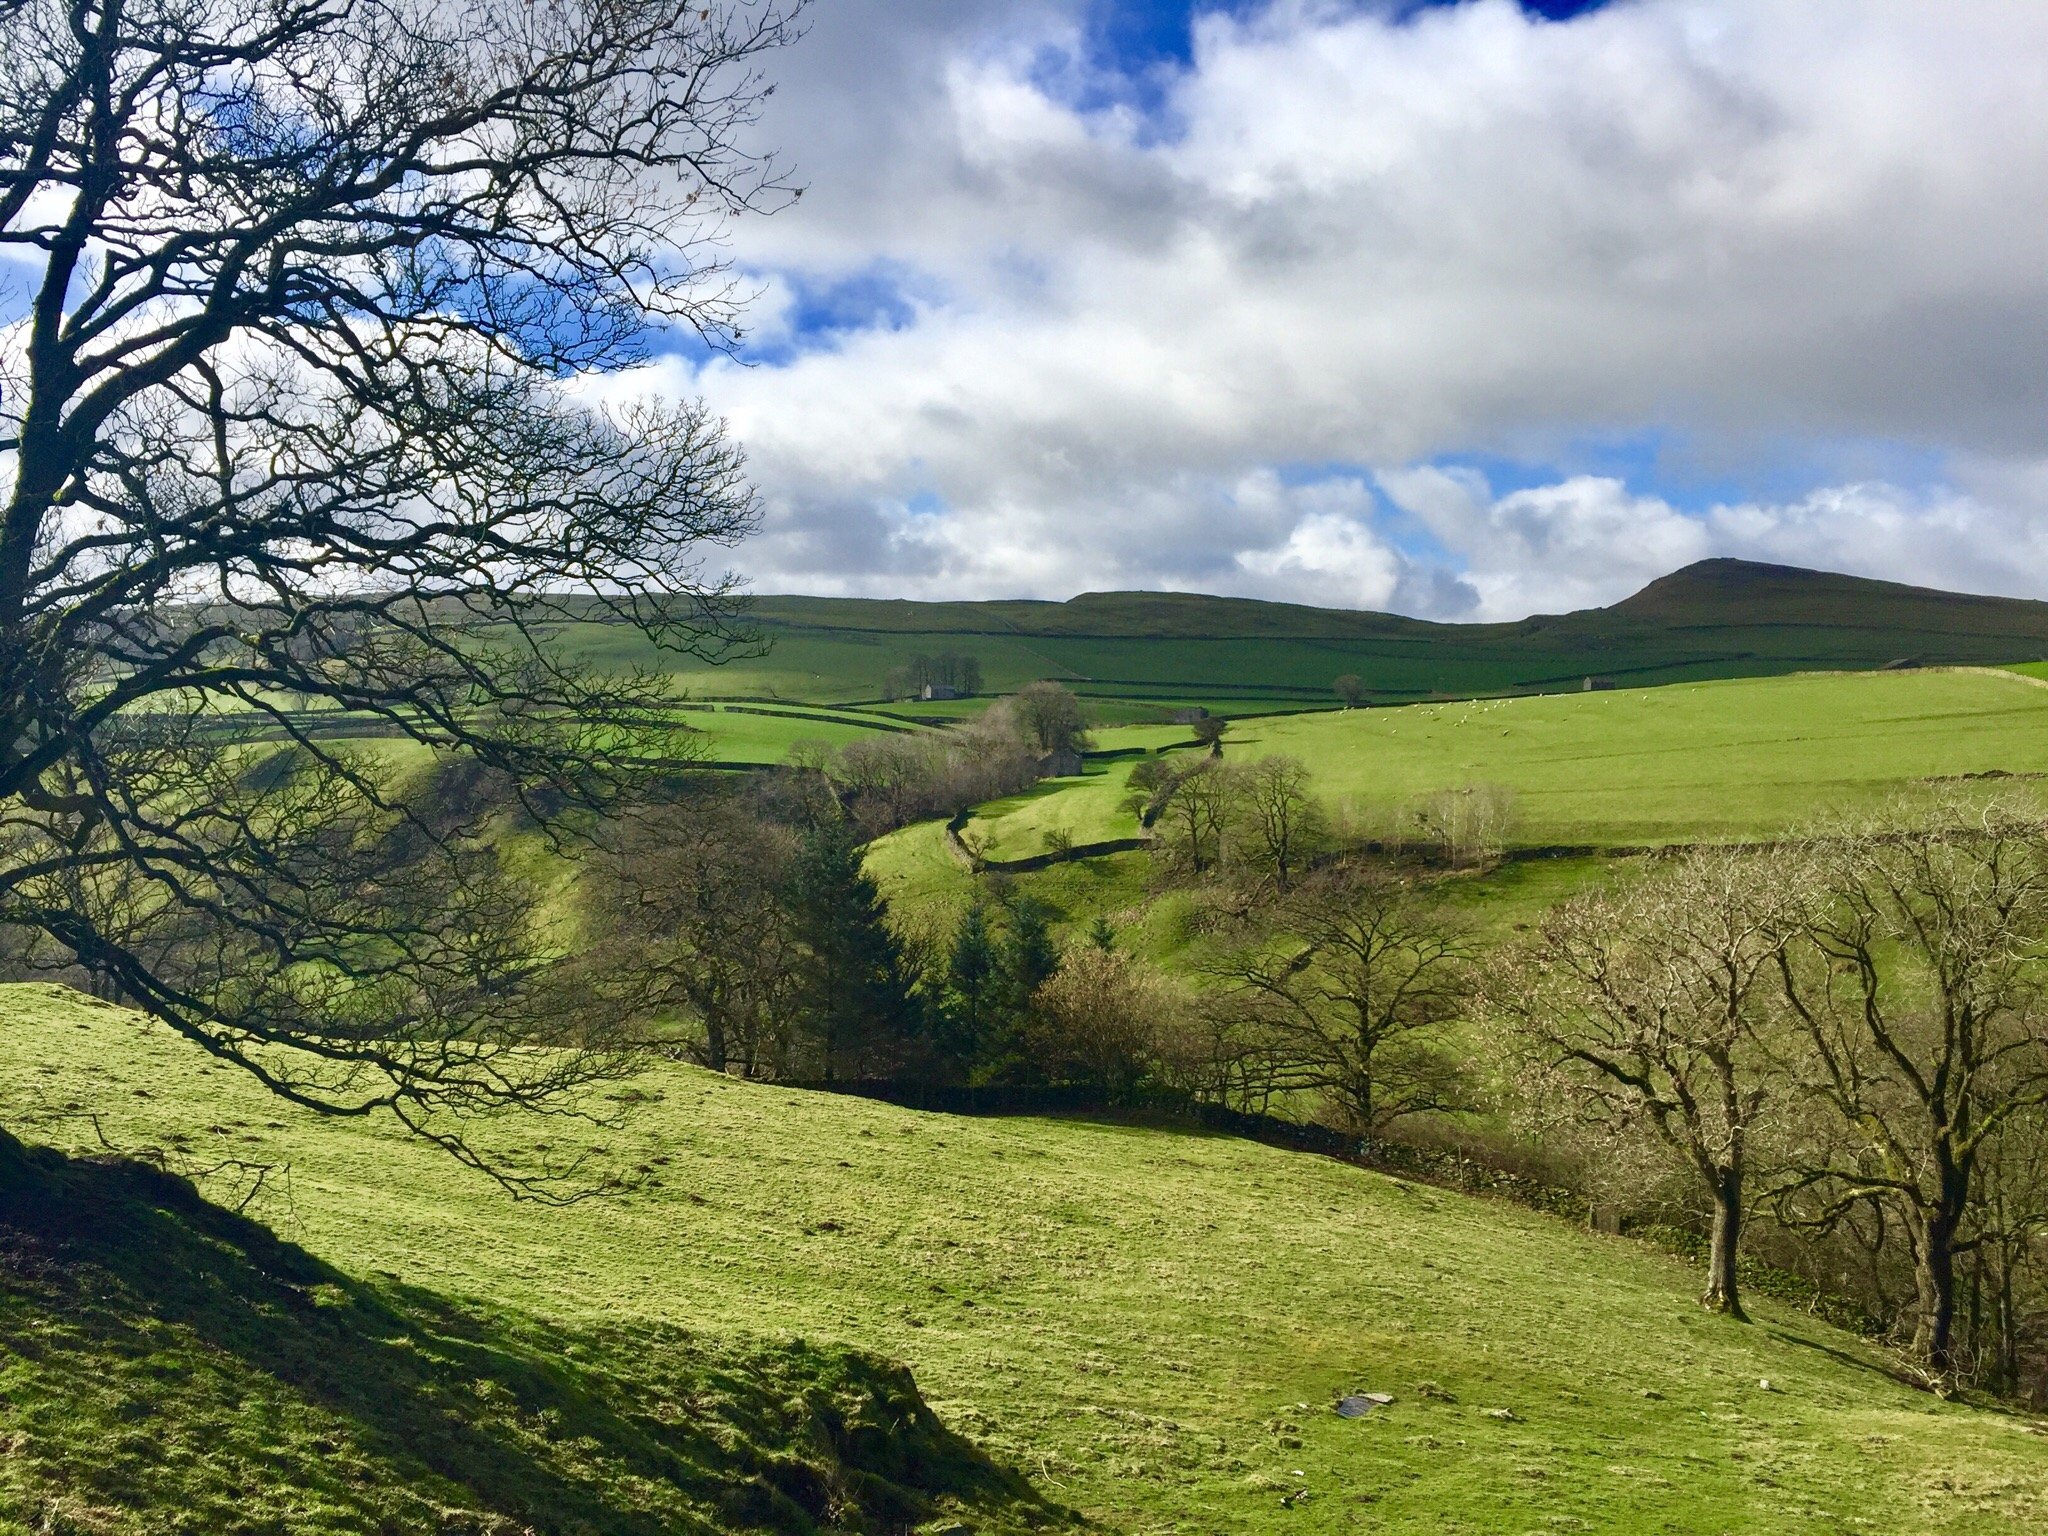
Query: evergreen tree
x=1030 y=957
x=1026 y=960
x=972 y=1004
x=853 y=988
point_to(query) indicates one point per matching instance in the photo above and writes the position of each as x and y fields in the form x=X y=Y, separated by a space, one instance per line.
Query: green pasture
x=744 y=736
x=1701 y=762
x=1601 y=770
x=752 y=734
x=1150 y=1326
x=1086 y=809
x=1692 y=762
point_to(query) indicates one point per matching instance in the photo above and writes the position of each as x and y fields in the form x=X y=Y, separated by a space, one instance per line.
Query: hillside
x=1700 y=762
x=1716 y=619
x=1150 y=1326
x=1725 y=593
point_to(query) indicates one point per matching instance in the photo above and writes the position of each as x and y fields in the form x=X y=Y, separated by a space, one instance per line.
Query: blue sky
x=1133 y=35
x=1468 y=310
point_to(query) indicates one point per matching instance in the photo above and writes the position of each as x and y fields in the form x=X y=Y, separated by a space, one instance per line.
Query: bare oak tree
x=687 y=922
x=1283 y=820
x=1350 y=992
x=1193 y=810
x=294 y=425
x=1920 y=1027
x=1641 y=1006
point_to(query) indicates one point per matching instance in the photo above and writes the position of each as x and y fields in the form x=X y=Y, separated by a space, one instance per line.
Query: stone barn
x=1065 y=763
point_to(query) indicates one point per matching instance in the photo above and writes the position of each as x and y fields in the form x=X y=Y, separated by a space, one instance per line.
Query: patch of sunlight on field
x=1690 y=762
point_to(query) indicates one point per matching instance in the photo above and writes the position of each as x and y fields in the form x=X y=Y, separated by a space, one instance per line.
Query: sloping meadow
x=1147 y=1326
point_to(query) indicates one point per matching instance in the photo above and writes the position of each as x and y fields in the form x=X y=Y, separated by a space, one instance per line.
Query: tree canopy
x=299 y=421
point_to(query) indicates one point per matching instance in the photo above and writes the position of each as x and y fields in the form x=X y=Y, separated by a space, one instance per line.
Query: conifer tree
x=973 y=999
x=1029 y=957
x=853 y=987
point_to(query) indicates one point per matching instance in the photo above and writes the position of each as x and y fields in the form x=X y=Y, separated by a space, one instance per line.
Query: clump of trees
x=959 y=671
x=1048 y=716
x=1259 y=819
x=759 y=939
x=890 y=780
x=1465 y=826
x=1344 y=994
x=1846 y=1038
x=1106 y=1023
x=887 y=781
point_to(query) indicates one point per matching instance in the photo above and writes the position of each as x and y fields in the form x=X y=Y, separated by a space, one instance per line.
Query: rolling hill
x=1701 y=762
x=1716 y=619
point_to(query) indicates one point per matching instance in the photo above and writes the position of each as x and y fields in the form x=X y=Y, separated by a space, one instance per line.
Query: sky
x=1465 y=311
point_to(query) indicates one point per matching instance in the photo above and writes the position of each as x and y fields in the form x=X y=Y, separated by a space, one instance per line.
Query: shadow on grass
x=1874 y=1364
x=167 y=1365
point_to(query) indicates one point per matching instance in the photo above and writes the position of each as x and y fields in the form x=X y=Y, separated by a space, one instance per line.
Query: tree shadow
x=1875 y=1366
x=163 y=1356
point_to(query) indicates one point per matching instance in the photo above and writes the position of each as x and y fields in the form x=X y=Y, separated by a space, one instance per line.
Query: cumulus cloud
x=1233 y=330
x=1579 y=543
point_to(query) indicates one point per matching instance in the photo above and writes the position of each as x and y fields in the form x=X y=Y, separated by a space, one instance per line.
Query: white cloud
x=1347 y=242
x=1578 y=543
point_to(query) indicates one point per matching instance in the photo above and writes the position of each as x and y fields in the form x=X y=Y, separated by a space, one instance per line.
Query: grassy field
x=1086 y=809
x=752 y=733
x=1698 y=762
x=762 y=734
x=1149 y=1325
x=1703 y=762
x=1640 y=767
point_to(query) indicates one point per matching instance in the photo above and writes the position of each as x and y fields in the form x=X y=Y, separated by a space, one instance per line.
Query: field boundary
x=981 y=863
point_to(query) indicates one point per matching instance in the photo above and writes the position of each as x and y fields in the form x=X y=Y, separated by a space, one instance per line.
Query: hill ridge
x=1720 y=588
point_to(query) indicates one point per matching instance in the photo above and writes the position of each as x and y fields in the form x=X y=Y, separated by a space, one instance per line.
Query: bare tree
x=2006 y=1306
x=1283 y=821
x=1352 y=988
x=1209 y=732
x=1097 y=1021
x=1196 y=809
x=686 y=917
x=1050 y=717
x=1921 y=1027
x=1642 y=1005
x=1470 y=824
x=293 y=413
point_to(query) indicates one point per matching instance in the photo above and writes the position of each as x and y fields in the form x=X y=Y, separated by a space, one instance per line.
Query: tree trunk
x=1934 y=1277
x=2008 y=1342
x=1723 y=1293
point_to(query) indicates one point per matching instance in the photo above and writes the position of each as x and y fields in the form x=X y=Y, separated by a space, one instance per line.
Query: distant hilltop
x=1750 y=592
x=1711 y=593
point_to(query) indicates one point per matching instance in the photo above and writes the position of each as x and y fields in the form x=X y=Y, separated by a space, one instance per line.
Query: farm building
x=940 y=691
x=1190 y=715
x=1062 y=764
